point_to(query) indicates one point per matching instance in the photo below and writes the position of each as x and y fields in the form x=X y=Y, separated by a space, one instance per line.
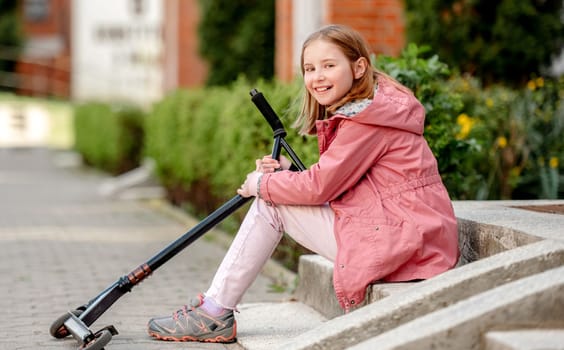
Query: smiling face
x=328 y=73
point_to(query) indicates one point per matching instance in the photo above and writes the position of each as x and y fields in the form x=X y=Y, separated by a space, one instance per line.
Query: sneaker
x=192 y=323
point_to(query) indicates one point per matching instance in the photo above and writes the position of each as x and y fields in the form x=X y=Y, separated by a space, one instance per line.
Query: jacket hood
x=394 y=108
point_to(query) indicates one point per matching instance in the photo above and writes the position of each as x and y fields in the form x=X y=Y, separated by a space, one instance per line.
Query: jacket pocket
x=380 y=244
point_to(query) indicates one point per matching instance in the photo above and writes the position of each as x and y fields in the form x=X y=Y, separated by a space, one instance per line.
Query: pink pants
x=259 y=234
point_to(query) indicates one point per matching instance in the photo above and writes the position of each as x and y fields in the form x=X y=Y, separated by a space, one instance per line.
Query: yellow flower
x=531 y=85
x=539 y=81
x=501 y=142
x=466 y=124
x=465 y=85
x=489 y=102
x=553 y=162
x=462 y=118
x=515 y=172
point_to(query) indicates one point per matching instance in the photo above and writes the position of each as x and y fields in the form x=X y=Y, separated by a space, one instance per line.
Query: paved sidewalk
x=62 y=243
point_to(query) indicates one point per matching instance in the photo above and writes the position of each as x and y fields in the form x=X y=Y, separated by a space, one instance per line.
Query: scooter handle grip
x=267 y=111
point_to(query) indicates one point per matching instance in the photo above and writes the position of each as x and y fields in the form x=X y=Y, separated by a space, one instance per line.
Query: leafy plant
x=427 y=78
x=109 y=137
x=519 y=134
x=237 y=38
x=496 y=40
x=11 y=39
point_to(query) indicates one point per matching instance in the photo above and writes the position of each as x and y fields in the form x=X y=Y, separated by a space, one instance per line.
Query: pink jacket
x=393 y=217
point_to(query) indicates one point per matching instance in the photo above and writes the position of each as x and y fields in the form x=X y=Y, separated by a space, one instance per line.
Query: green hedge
x=206 y=140
x=109 y=137
x=491 y=143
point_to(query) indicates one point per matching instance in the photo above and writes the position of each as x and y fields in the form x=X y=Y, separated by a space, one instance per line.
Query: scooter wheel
x=101 y=338
x=58 y=329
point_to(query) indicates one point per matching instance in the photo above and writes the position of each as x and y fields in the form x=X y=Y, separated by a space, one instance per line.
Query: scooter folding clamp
x=80 y=330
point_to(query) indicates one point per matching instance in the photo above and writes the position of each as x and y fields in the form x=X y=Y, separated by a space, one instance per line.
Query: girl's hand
x=250 y=187
x=269 y=165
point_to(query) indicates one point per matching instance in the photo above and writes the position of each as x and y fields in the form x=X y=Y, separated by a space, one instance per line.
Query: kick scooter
x=77 y=321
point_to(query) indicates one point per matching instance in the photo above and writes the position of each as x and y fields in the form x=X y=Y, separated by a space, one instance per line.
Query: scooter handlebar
x=267 y=111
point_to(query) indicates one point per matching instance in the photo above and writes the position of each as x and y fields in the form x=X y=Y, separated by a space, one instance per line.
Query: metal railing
x=45 y=77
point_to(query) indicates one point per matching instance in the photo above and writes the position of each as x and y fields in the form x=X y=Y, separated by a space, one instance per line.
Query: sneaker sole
x=186 y=338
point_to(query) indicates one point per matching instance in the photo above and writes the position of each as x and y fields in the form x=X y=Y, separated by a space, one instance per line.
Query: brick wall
x=44 y=67
x=183 y=66
x=283 y=41
x=192 y=70
x=380 y=21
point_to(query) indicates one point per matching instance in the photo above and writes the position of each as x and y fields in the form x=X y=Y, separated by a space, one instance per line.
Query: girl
x=374 y=203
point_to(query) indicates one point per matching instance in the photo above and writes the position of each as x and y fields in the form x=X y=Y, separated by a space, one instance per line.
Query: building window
x=36 y=10
x=138 y=7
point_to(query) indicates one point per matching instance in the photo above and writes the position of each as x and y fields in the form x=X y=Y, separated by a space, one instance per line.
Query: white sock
x=211 y=307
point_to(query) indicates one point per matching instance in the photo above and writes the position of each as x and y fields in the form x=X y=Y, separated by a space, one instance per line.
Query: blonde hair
x=353 y=47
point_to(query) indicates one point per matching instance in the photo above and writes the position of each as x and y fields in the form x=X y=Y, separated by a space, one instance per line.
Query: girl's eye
x=308 y=69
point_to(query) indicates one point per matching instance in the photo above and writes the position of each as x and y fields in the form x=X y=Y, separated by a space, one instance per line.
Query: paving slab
x=266 y=326
x=62 y=243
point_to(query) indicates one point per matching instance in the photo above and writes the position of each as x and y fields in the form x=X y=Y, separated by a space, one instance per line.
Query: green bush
x=11 y=40
x=427 y=78
x=491 y=143
x=237 y=38
x=205 y=141
x=496 y=40
x=519 y=134
x=109 y=137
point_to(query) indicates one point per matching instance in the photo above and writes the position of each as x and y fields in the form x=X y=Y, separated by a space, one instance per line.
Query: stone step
x=525 y=339
x=490 y=227
x=425 y=297
x=530 y=301
x=485 y=228
x=297 y=325
x=496 y=252
x=315 y=287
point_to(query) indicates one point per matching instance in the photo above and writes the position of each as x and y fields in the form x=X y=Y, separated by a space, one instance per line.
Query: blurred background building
x=138 y=50
x=43 y=65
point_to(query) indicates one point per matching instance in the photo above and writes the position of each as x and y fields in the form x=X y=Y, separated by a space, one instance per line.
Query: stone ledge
x=486 y=228
x=497 y=218
x=525 y=339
